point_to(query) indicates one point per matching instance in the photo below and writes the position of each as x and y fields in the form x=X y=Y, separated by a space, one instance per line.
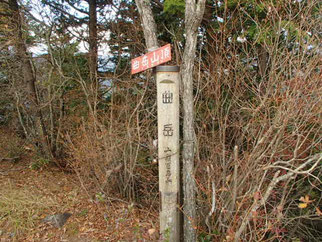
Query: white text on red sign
x=151 y=59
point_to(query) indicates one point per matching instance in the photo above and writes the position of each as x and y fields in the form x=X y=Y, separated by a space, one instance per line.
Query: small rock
x=57 y=220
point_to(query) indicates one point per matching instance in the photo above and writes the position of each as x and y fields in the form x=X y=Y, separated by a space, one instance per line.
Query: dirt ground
x=28 y=195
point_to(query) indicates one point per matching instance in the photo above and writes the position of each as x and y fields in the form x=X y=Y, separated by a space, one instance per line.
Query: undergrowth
x=11 y=147
x=21 y=209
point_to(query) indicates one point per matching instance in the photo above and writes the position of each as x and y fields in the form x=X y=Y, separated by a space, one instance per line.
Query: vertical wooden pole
x=167 y=78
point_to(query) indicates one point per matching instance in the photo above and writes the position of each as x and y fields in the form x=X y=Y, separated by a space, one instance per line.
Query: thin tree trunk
x=148 y=24
x=263 y=58
x=93 y=49
x=29 y=77
x=193 y=15
x=92 y=39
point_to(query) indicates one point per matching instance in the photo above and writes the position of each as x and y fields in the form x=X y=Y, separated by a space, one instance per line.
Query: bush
x=11 y=146
x=258 y=136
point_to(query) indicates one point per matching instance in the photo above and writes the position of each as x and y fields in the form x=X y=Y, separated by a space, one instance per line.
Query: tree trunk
x=29 y=77
x=263 y=58
x=193 y=15
x=93 y=49
x=148 y=24
x=92 y=39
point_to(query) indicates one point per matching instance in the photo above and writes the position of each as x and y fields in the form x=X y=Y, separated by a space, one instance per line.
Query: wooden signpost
x=167 y=78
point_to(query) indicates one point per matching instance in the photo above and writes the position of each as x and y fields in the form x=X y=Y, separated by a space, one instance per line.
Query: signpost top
x=167 y=68
x=151 y=59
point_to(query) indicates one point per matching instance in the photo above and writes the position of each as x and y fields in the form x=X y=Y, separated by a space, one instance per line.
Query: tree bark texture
x=148 y=24
x=193 y=15
x=29 y=77
x=92 y=39
x=263 y=61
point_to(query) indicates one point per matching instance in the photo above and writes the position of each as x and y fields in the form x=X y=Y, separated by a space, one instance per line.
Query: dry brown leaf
x=257 y=196
x=306 y=199
x=151 y=231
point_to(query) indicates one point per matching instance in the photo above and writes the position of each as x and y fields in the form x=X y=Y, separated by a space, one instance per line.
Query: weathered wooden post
x=167 y=78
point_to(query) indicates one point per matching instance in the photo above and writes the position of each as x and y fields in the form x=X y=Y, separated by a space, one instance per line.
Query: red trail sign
x=151 y=59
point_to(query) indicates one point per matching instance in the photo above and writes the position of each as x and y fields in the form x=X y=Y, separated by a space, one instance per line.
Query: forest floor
x=28 y=195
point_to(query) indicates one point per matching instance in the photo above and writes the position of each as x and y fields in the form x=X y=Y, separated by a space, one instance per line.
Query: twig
x=232 y=207
x=9 y=159
x=213 y=205
x=276 y=179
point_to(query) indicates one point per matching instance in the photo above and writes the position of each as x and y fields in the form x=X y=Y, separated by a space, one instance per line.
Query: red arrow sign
x=151 y=59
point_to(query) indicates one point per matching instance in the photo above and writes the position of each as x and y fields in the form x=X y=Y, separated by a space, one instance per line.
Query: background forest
x=67 y=91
